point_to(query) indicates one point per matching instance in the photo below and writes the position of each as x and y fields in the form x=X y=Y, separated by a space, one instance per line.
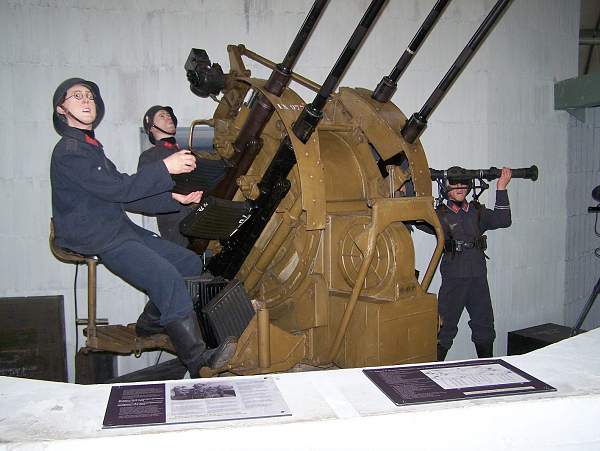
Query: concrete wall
x=582 y=263
x=498 y=113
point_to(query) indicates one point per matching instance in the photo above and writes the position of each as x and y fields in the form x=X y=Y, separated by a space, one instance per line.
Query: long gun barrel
x=456 y=174
x=274 y=184
x=312 y=113
x=418 y=121
x=248 y=142
x=388 y=84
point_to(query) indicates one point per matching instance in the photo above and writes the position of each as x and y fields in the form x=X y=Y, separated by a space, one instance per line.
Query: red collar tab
x=92 y=141
x=169 y=145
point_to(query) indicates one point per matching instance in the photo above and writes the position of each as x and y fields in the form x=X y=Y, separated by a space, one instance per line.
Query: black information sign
x=135 y=404
x=454 y=381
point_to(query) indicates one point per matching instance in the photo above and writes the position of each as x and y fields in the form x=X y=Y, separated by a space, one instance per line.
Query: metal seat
x=99 y=335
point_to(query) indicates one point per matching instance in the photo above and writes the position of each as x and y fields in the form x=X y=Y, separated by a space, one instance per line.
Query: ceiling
x=589 y=54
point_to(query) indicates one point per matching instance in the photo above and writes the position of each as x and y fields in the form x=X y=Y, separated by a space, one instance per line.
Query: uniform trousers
x=157 y=267
x=472 y=293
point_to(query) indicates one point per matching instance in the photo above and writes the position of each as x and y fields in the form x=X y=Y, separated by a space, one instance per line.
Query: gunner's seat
x=100 y=336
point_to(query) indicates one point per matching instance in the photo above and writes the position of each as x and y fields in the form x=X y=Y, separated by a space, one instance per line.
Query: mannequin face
x=162 y=119
x=458 y=192
x=79 y=102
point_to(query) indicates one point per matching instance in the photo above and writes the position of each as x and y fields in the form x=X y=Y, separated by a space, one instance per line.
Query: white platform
x=338 y=409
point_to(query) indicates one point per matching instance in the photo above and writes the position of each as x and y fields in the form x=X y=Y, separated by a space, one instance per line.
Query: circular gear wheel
x=351 y=257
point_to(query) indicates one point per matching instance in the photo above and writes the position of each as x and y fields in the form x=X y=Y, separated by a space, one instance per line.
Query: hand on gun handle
x=180 y=162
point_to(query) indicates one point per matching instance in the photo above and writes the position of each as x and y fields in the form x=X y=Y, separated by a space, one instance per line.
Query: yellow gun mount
x=332 y=267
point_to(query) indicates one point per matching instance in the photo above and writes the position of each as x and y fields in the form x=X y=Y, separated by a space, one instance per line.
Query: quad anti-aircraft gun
x=306 y=215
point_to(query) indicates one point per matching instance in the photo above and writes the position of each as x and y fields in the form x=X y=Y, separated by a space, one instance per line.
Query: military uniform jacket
x=467 y=224
x=168 y=223
x=89 y=195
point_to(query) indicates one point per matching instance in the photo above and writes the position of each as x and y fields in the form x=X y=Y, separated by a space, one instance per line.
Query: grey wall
x=498 y=113
x=582 y=265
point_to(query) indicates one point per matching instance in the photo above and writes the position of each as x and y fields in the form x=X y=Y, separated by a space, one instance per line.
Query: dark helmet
x=148 y=120
x=59 y=120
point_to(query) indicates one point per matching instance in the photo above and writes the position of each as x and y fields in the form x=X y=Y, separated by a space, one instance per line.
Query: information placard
x=454 y=381
x=192 y=401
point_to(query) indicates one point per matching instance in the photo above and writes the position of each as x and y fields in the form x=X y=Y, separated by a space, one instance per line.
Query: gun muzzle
x=312 y=113
x=387 y=86
x=418 y=122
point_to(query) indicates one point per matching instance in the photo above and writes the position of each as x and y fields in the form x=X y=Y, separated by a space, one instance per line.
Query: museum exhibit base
x=335 y=409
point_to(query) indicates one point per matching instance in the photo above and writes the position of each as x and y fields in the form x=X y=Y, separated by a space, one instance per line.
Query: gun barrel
x=247 y=142
x=456 y=174
x=387 y=86
x=303 y=34
x=274 y=183
x=262 y=110
x=418 y=121
x=312 y=113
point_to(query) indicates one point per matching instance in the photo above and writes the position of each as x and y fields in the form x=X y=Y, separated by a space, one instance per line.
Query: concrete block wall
x=499 y=112
x=582 y=264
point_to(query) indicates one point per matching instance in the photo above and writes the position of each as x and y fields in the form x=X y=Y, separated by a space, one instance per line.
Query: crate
x=536 y=337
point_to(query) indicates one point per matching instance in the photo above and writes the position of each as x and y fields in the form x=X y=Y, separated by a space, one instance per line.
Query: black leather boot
x=441 y=353
x=485 y=350
x=149 y=322
x=219 y=356
x=190 y=347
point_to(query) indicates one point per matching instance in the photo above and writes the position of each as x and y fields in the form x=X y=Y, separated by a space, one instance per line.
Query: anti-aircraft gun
x=320 y=241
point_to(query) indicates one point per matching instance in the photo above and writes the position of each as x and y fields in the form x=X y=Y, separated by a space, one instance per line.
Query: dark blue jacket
x=469 y=225
x=90 y=196
x=168 y=223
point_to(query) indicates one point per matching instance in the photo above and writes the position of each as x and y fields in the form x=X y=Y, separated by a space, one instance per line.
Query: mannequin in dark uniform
x=463 y=266
x=160 y=123
x=89 y=200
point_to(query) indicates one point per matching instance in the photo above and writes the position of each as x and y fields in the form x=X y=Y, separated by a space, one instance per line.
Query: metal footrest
x=229 y=312
x=202 y=289
x=123 y=340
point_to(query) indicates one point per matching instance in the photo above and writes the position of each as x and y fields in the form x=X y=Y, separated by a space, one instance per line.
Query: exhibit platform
x=336 y=409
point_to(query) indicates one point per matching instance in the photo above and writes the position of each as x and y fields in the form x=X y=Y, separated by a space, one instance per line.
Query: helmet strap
x=161 y=130
x=76 y=118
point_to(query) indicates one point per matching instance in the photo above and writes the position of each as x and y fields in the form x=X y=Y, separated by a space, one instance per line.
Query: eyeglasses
x=79 y=95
